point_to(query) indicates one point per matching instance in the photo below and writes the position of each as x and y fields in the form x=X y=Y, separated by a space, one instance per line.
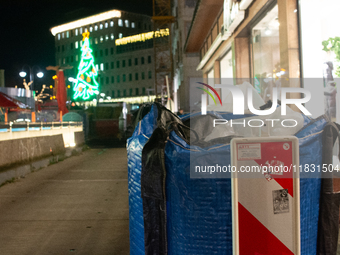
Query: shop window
x=320 y=56
x=266 y=54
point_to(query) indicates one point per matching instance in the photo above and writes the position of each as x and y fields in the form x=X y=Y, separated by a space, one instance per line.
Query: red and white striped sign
x=265 y=188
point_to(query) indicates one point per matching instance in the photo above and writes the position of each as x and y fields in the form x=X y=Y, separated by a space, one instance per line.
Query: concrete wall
x=24 y=150
x=79 y=138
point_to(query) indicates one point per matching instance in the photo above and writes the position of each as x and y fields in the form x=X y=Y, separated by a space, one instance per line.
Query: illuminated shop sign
x=142 y=37
x=233 y=15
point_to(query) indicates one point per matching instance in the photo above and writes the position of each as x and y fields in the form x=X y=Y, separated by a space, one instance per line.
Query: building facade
x=184 y=64
x=271 y=44
x=125 y=70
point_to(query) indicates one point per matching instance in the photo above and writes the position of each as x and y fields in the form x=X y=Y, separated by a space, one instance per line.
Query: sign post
x=265 y=195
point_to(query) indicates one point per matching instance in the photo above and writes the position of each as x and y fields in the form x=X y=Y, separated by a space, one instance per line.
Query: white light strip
x=86 y=21
x=244 y=4
x=210 y=51
x=204 y=100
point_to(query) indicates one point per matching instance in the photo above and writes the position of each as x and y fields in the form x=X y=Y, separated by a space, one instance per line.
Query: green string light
x=86 y=87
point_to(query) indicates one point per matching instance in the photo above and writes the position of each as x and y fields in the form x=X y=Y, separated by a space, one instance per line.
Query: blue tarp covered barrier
x=198 y=211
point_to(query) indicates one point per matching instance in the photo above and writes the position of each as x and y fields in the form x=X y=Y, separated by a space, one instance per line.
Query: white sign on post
x=265 y=195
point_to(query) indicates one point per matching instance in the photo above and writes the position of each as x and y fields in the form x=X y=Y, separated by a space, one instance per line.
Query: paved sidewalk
x=77 y=206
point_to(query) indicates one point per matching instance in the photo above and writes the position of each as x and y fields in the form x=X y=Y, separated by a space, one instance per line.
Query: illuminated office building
x=122 y=44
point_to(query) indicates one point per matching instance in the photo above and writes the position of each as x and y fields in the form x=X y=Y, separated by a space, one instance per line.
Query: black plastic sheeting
x=329 y=201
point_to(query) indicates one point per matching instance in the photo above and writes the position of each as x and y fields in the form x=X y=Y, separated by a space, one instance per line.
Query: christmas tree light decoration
x=86 y=86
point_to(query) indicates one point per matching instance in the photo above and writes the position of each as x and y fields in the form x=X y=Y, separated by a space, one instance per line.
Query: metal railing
x=36 y=126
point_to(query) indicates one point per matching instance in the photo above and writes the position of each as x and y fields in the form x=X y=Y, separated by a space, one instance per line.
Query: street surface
x=77 y=206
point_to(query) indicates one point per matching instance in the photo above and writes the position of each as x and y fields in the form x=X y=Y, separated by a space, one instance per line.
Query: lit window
x=96 y=40
x=95 y=27
x=64 y=61
x=100 y=26
x=76 y=44
x=127 y=24
x=101 y=39
x=120 y=35
x=81 y=30
x=76 y=32
x=111 y=23
x=106 y=37
x=58 y=36
x=81 y=43
x=112 y=36
x=97 y=67
x=63 y=35
x=133 y=24
x=91 y=28
x=67 y=34
x=120 y=22
x=76 y=57
x=91 y=41
x=106 y=25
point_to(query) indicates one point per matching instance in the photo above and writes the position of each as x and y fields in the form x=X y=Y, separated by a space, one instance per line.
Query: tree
x=86 y=86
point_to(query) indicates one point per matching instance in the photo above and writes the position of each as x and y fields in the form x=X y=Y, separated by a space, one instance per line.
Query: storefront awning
x=204 y=16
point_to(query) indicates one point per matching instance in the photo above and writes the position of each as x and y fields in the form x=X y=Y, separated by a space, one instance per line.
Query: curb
x=21 y=171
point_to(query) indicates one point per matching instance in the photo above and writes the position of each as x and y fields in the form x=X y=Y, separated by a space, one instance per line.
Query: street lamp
x=39 y=74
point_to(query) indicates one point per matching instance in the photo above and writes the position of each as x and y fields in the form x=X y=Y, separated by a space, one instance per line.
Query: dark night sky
x=25 y=36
